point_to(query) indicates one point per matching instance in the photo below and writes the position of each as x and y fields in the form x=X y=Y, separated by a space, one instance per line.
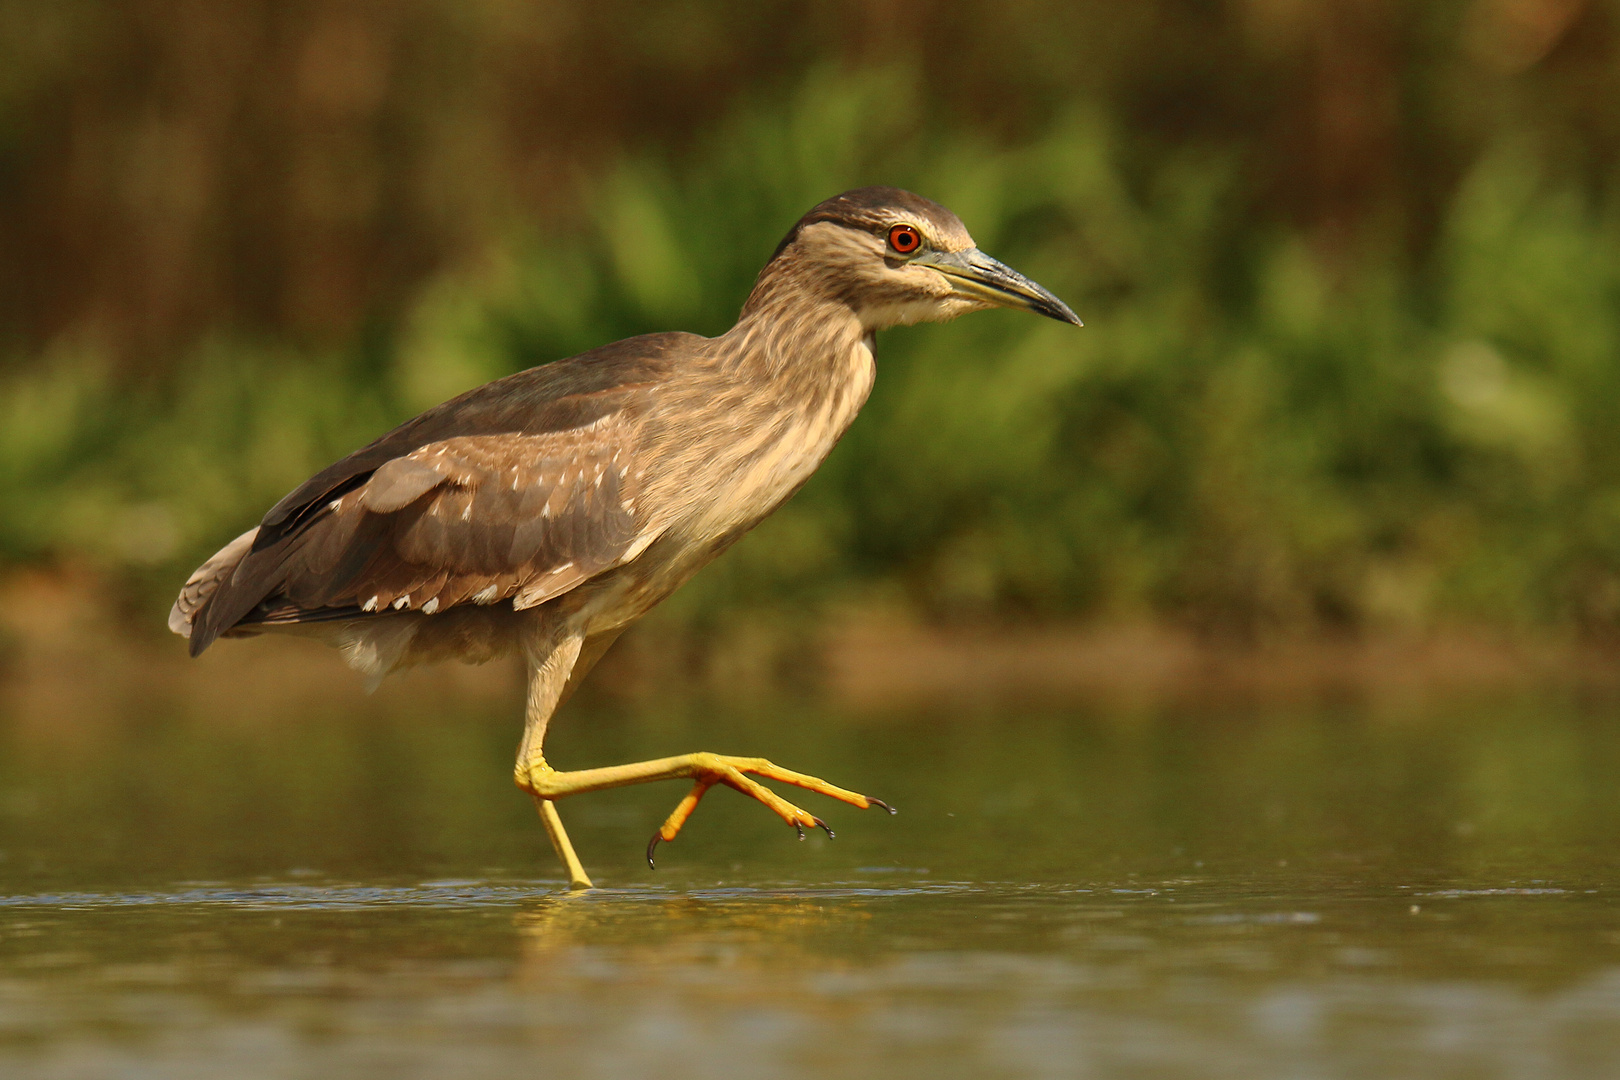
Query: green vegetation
x=1257 y=430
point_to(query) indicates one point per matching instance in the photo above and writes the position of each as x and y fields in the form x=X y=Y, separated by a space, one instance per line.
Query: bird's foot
x=705 y=770
x=711 y=769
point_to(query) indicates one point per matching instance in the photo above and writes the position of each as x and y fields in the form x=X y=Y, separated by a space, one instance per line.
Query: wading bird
x=545 y=512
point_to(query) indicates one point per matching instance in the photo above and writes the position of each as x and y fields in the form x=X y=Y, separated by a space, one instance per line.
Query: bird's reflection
x=752 y=930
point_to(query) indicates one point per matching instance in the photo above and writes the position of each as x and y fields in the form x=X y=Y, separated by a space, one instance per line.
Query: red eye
x=905 y=239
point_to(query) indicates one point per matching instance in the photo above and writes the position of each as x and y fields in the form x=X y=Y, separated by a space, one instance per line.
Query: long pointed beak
x=976 y=276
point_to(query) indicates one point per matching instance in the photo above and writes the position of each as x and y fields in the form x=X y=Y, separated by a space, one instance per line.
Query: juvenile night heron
x=545 y=512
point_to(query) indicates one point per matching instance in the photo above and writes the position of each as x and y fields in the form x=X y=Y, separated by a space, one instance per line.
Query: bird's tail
x=206 y=580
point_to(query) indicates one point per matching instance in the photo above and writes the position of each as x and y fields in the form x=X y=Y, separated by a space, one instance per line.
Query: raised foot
x=706 y=770
x=734 y=772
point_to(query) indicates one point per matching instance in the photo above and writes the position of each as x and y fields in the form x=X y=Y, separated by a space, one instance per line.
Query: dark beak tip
x=1060 y=312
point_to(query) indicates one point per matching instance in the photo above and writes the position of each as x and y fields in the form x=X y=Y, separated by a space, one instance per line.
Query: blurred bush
x=1351 y=275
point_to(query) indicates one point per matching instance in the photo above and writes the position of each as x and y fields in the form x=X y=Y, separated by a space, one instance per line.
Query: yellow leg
x=546 y=784
x=577 y=878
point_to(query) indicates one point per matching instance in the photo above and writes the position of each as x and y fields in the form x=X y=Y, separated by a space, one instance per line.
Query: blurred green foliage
x=1271 y=421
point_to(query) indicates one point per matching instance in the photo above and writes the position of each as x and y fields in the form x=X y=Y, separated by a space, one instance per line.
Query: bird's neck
x=788 y=379
x=787 y=331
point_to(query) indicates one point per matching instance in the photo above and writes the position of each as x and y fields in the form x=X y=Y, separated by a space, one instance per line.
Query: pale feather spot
x=486 y=595
x=634 y=550
x=402 y=602
x=369 y=605
x=431 y=606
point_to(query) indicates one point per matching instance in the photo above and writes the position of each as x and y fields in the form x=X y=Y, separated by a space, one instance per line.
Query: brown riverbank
x=64 y=657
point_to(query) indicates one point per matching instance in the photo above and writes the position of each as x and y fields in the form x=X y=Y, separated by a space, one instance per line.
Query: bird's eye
x=905 y=239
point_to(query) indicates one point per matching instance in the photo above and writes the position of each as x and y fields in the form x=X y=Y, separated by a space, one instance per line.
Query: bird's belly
x=618 y=597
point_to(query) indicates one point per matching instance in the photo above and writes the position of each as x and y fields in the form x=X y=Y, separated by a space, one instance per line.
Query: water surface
x=1326 y=891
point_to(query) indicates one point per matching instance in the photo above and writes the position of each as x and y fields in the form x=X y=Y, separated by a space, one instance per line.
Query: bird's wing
x=563 y=396
x=467 y=520
x=517 y=491
x=474 y=519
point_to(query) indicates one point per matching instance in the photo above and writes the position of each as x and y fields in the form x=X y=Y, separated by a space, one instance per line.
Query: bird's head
x=894 y=257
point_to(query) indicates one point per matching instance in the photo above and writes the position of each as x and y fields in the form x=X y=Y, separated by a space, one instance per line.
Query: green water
x=1246 y=892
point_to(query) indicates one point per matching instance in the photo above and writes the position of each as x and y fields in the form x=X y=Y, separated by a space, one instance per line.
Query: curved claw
x=651 y=846
x=801 y=832
x=879 y=803
x=825 y=827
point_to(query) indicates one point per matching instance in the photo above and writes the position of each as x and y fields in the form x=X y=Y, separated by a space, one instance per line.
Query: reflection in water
x=745 y=922
x=1314 y=893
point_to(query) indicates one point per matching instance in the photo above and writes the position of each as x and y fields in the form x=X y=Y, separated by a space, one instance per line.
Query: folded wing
x=475 y=519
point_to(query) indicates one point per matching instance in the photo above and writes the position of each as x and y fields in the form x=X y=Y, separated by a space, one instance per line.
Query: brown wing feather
x=560 y=396
x=503 y=517
x=200 y=586
x=519 y=517
x=519 y=490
